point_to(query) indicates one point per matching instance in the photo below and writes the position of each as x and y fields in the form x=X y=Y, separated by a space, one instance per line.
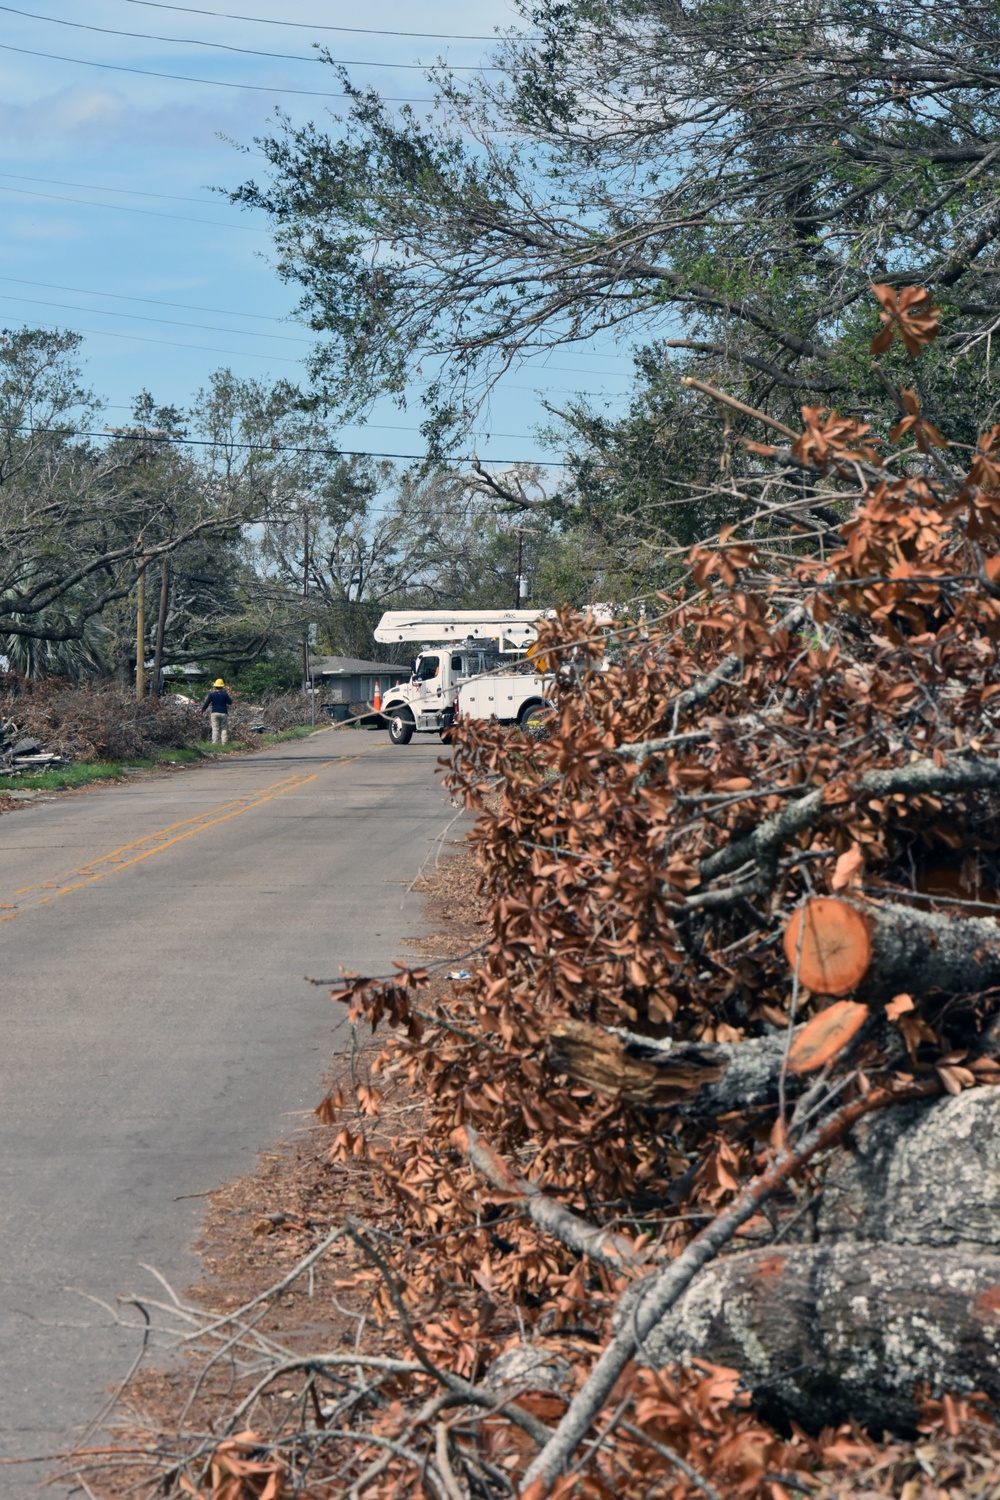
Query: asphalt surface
x=157 y=1031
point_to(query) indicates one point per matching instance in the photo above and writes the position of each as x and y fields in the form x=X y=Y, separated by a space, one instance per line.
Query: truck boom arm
x=520 y=626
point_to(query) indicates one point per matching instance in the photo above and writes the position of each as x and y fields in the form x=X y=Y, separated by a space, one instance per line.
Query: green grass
x=85 y=772
x=52 y=781
x=297 y=732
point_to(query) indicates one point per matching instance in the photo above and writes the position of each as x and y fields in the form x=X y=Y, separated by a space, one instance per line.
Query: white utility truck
x=472 y=662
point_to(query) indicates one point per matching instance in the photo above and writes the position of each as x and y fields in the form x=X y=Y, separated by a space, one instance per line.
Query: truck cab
x=427 y=702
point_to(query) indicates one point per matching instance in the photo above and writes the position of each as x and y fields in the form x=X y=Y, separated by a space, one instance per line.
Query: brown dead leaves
x=829 y=438
x=907 y=313
x=604 y=927
x=237 y=1471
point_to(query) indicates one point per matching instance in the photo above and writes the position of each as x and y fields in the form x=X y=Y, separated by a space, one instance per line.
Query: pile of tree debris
x=63 y=721
x=705 y=1188
x=91 y=720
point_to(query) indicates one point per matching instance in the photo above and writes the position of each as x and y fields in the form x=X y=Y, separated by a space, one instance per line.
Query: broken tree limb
x=664 y=1289
x=612 y=1250
x=641 y=750
x=748 y=411
x=728 y=668
x=708 y=1078
x=851 y=1330
x=971 y=773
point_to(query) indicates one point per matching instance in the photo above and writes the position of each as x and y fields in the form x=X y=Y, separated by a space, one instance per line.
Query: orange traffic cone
x=377 y=700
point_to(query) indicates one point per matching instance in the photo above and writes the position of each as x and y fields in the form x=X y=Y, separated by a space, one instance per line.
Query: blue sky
x=110 y=224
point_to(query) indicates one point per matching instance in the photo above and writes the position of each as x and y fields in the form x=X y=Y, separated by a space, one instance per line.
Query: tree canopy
x=727 y=175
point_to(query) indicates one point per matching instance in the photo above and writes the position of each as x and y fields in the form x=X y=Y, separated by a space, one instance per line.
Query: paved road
x=156 y=1030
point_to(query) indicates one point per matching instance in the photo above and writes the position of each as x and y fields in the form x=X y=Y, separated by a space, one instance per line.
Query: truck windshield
x=427 y=667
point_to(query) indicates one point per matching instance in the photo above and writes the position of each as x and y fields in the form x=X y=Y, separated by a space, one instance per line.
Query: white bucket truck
x=467 y=665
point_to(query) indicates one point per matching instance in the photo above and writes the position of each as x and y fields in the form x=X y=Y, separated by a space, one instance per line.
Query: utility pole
x=520 y=582
x=161 y=625
x=140 y=633
x=306 y=684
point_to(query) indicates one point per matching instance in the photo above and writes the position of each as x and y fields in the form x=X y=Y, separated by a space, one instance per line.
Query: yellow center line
x=160 y=833
x=90 y=878
x=161 y=840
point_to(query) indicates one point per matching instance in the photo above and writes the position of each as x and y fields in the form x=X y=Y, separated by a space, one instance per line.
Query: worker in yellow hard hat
x=217 y=703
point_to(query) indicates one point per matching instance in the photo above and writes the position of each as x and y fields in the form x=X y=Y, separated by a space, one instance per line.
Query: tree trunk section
x=922 y=952
x=823 y=1333
x=925 y=1175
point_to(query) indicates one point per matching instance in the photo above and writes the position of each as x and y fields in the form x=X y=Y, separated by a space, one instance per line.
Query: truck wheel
x=446 y=723
x=533 y=716
x=401 y=728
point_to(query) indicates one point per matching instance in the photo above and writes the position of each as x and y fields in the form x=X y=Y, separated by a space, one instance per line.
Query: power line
x=126 y=208
x=86 y=291
x=284 y=359
x=250 y=333
x=97 y=187
x=139 y=338
x=332 y=451
x=216 y=83
x=188 y=41
x=223 y=15
x=108 y=312
x=236 y=312
x=232 y=312
x=242 y=333
x=519 y=437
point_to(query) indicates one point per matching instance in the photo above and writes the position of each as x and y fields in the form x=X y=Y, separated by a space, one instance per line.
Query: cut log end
x=826 y=1035
x=827 y=941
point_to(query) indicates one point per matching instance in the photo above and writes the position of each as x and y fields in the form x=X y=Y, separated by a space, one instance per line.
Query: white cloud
x=105 y=117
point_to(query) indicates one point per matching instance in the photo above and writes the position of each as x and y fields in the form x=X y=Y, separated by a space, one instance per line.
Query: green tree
x=728 y=175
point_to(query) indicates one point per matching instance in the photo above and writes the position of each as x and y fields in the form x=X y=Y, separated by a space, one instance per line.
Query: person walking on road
x=218 y=702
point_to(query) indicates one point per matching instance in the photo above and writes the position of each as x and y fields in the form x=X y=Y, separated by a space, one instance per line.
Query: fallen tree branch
x=641 y=750
x=703 y=1077
x=664 y=1289
x=474 y=1394
x=974 y=773
x=612 y=1250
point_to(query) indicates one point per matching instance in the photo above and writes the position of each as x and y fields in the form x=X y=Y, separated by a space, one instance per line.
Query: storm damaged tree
x=81 y=521
x=726 y=175
x=86 y=512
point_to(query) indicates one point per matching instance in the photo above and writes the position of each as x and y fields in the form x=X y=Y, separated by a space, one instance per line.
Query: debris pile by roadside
x=88 y=722
x=49 y=722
